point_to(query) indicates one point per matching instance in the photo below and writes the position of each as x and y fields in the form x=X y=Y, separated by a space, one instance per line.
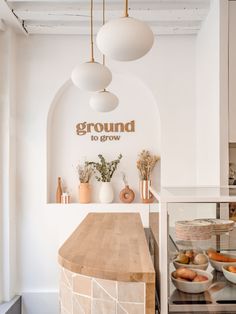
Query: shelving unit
x=221 y=296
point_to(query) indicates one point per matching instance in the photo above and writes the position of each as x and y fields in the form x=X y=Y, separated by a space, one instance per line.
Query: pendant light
x=103 y=101
x=125 y=39
x=91 y=76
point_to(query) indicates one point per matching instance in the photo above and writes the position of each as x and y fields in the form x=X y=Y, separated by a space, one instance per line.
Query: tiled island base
x=87 y=295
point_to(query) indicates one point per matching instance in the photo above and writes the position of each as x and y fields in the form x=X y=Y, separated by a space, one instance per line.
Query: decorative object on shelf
x=145 y=164
x=105 y=172
x=106 y=193
x=85 y=172
x=65 y=198
x=145 y=195
x=191 y=230
x=59 y=190
x=232 y=173
x=91 y=76
x=103 y=101
x=126 y=195
x=125 y=39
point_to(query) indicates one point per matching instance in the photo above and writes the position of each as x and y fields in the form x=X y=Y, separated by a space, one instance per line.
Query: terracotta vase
x=145 y=194
x=106 y=194
x=84 y=193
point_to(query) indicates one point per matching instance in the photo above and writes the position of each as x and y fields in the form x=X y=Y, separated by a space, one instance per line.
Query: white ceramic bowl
x=228 y=275
x=218 y=265
x=192 y=266
x=193 y=287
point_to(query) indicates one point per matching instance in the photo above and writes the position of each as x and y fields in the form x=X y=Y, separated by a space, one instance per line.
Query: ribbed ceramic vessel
x=145 y=195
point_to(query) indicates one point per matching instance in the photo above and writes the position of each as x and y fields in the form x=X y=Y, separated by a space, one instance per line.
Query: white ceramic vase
x=106 y=194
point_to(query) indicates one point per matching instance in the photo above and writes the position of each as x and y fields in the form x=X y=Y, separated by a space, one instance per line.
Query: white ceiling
x=72 y=17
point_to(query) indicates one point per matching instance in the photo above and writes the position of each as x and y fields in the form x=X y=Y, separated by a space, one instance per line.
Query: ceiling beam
x=83 y=15
x=10 y=19
x=72 y=16
x=111 y=5
x=158 y=28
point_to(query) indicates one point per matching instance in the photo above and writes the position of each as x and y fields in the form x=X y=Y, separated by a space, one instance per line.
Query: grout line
x=70 y=286
x=114 y=299
x=80 y=306
x=123 y=308
x=82 y=295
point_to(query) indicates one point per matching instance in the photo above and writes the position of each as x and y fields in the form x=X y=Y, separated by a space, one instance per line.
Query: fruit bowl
x=192 y=266
x=218 y=265
x=230 y=276
x=191 y=259
x=190 y=286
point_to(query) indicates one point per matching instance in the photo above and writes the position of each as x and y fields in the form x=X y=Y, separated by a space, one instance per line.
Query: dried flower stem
x=146 y=164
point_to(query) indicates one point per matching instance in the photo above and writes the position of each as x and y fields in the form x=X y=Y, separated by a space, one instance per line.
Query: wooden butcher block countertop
x=109 y=246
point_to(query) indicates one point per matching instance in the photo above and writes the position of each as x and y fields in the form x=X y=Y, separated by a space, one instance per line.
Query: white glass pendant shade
x=125 y=39
x=104 y=101
x=91 y=76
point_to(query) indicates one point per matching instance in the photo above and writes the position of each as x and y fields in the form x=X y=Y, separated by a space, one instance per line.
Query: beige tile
x=119 y=310
x=82 y=285
x=84 y=302
x=131 y=292
x=100 y=293
x=68 y=275
x=77 y=308
x=133 y=308
x=103 y=307
x=64 y=279
x=109 y=285
x=66 y=298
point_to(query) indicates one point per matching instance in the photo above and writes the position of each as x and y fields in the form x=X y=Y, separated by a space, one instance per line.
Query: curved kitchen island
x=106 y=267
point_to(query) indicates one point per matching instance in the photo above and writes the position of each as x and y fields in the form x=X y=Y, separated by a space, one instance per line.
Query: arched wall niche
x=65 y=149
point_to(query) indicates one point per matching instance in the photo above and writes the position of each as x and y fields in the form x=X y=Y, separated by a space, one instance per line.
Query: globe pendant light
x=125 y=39
x=104 y=101
x=91 y=76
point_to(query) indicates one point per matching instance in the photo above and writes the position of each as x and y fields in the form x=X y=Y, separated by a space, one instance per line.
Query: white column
x=163 y=256
x=7 y=166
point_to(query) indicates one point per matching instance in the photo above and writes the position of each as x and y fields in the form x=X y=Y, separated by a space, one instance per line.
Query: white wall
x=135 y=103
x=169 y=71
x=44 y=63
x=208 y=99
x=7 y=166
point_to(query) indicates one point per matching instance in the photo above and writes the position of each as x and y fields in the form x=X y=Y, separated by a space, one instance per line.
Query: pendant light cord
x=91 y=30
x=103 y=22
x=126 y=9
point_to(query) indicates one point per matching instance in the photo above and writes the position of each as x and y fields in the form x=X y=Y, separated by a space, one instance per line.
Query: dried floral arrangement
x=104 y=168
x=146 y=163
x=85 y=172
